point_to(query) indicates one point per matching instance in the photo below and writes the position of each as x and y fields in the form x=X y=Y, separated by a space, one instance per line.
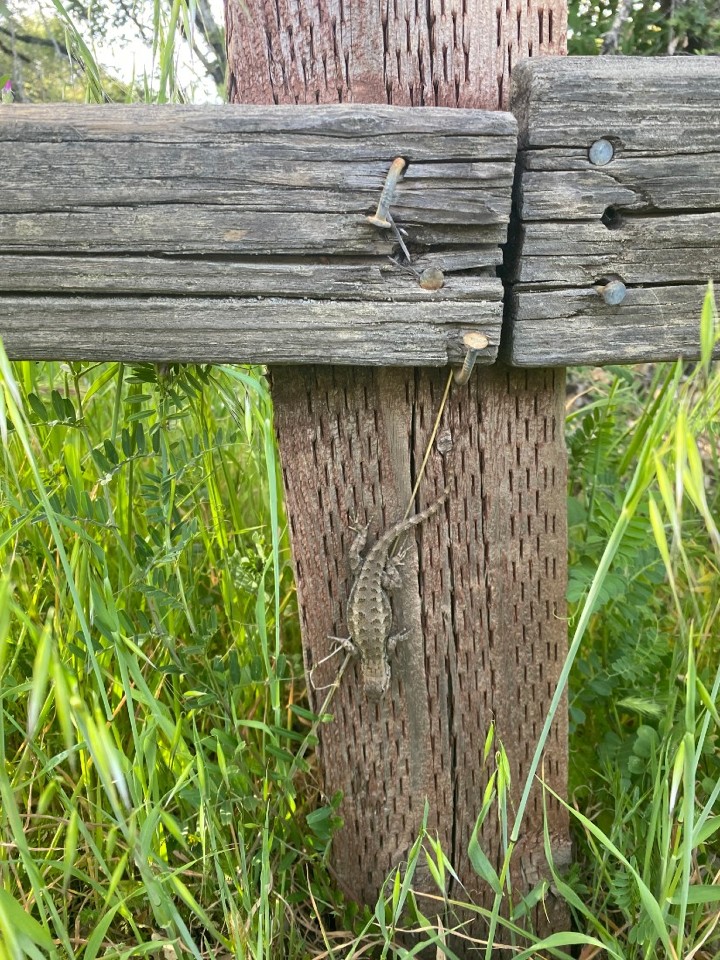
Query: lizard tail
x=429 y=511
x=395 y=532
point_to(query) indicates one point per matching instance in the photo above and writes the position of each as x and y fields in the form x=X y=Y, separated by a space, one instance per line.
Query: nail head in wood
x=432 y=279
x=649 y=218
x=473 y=343
x=613 y=292
x=601 y=152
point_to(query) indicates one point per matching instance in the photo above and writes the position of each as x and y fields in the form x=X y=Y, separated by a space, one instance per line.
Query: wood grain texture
x=483 y=600
x=667 y=317
x=650 y=217
x=218 y=330
x=202 y=231
x=483 y=592
x=641 y=250
x=280 y=134
x=494 y=606
x=664 y=105
x=456 y=54
x=254 y=222
x=469 y=275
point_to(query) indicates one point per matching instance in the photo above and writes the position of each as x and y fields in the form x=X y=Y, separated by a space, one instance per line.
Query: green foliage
x=625 y=681
x=643 y=706
x=652 y=27
x=42 y=62
x=156 y=790
x=153 y=782
x=629 y=652
x=48 y=50
x=147 y=728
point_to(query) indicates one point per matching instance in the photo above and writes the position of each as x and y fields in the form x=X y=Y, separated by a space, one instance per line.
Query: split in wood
x=474 y=343
x=399 y=237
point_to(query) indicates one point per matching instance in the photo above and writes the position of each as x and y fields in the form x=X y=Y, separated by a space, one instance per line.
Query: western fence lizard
x=369 y=613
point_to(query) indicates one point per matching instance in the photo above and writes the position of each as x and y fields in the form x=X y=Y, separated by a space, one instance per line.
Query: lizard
x=369 y=612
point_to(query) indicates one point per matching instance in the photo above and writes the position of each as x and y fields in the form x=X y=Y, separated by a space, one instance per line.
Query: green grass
x=158 y=787
x=144 y=690
x=645 y=690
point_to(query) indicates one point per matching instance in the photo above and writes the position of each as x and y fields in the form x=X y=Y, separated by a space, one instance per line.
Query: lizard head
x=377 y=682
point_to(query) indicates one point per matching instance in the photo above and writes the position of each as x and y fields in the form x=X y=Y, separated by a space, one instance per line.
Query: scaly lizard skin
x=369 y=615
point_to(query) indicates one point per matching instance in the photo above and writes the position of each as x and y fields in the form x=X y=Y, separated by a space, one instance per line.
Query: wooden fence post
x=484 y=597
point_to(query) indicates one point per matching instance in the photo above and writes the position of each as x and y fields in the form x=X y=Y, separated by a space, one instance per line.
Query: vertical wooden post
x=483 y=597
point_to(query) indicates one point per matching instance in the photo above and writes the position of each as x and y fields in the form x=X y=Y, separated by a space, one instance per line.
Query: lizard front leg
x=357 y=547
x=390 y=577
x=395 y=639
x=345 y=643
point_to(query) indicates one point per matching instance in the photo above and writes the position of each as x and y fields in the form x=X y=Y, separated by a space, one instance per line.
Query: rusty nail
x=381 y=218
x=612 y=292
x=408 y=267
x=474 y=343
x=399 y=237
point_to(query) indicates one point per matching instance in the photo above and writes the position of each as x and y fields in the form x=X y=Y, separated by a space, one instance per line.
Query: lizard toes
x=344 y=643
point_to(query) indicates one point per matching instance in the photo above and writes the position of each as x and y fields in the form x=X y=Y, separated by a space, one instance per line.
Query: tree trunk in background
x=484 y=595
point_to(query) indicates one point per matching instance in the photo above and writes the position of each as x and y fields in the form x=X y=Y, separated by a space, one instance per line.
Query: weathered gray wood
x=267 y=330
x=62 y=176
x=643 y=250
x=336 y=279
x=206 y=230
x=663 y=105
x=650 y=217
x=665 y=317
x=350 y=132
x=660 y=183
x=266 y=207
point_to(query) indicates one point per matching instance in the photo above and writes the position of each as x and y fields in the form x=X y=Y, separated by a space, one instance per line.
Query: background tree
x=644 y=27
x=41 y=49
x=198 y=25
x=40 y=55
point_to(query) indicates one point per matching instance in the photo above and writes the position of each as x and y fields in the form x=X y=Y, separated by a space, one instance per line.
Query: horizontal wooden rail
x=228 y=233
x=618 y=198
